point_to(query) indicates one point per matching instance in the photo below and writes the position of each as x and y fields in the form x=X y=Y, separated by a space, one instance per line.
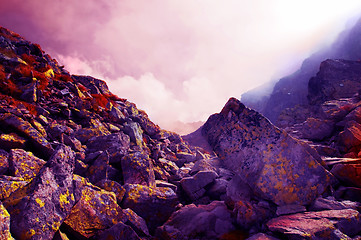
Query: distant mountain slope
x=292 y=90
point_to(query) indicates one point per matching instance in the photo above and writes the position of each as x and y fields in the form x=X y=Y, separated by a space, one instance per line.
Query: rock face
x=278 y=167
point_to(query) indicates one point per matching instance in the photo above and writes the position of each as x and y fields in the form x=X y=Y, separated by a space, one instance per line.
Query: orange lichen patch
x=8 y=187
x=96 y=210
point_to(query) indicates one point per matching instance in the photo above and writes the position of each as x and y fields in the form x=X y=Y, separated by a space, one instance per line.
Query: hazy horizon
x=180 y=60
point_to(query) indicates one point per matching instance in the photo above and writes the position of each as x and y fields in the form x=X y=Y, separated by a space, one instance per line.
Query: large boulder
x=198 y=222
x=38 y=209
x=4 y=223
x=318 y=225
x=276 y=166
x=154 y=205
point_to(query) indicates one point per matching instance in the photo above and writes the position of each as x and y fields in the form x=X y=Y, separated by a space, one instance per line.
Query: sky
x=180 y=60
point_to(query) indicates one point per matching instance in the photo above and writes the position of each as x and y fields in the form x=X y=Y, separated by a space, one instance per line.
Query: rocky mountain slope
x=291 y=91
x=77 y=162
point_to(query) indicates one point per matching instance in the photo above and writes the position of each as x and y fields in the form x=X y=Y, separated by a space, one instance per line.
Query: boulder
x=194 y=186
x=38 y=209
x=277 y=167
x=95 y=211
x=350 y=137
x=112 y=186
x=24 y=164
x=315 y=129
x=317 y=225
x=135 y=133
x=198 y=222
x=349 y=174
x=136 y=222
x=24 y=128
x=154 y=205
x=137 y=168
x=11 y=141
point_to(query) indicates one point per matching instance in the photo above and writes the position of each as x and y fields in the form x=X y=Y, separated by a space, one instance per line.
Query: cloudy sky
x=180 y=60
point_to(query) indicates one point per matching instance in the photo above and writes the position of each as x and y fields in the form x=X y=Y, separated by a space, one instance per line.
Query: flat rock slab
x=317 y=225
x=275 y=165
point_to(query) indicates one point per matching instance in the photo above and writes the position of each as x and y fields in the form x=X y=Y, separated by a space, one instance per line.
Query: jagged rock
x=336 y=79
x=161 y=183
x=317 y=225
x=278 y=167
x=72 y=142
x=26 y=129
x=137 y=168
x=194 y=186
x=96 y=210
x=204 y=164
x=112 y=186
x=38 y=209
x=154 y=205
x=252 y=214
x=4 y=162
x=117 y=145
x=183 y=157
x=56 y=131
x=315 y=129
x=119 y=231
x=11 y=141
x=135 y=133
x=351 y=136
x=136 y=222
x=218 y=189
x=8 y=185
x=198 y=222
x=348 y=173
x=24 y=164
x=96 y=129
x=331 y=204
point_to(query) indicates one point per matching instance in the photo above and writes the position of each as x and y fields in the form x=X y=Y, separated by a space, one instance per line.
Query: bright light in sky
x=179 y=60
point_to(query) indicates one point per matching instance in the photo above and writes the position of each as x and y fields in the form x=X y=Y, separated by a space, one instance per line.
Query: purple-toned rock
x=349 y=174
x=315 y=129
x=8 y=185
x=119 y=231
x=194 y=186
x=4 y=162
x=112 y=186
x=276 y=166
x=331 y=204
x=317 y=225
x=96 y=210
x=11 y=141
x=24 y=128
x=4 y=223
x=136 y=222
x=198 y=222
x=154 y=205
x=290 y=209
x=24 y=164
x=137 y=168
x=38 y=209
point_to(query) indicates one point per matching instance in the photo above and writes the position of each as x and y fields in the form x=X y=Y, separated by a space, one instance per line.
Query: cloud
x=179 y=60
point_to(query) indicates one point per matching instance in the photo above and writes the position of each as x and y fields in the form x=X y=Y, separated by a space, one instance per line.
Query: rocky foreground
x=77 y=162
